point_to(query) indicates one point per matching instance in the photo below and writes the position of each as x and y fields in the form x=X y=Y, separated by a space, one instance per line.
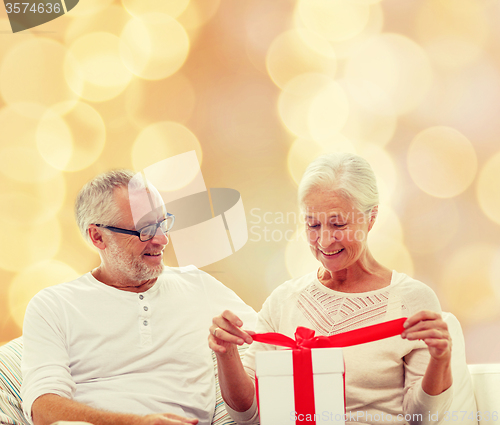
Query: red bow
x=302 y=363
x=304 y=337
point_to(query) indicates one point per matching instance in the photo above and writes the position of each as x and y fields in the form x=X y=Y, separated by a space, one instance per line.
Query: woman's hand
x=226 y=332
x=433 y=330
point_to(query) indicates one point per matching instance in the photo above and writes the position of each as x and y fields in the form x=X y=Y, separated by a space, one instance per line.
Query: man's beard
x=131 y=266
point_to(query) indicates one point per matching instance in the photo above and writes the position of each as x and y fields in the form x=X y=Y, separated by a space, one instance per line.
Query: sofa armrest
x=486 y=381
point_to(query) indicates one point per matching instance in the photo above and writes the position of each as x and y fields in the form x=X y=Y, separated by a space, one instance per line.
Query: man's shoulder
x=72 y=287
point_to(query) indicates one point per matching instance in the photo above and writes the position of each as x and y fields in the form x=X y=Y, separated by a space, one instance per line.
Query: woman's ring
x=215 y=330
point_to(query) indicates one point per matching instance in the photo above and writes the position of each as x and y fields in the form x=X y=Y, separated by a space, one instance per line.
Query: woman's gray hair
x=95 y=202
x=347 y=174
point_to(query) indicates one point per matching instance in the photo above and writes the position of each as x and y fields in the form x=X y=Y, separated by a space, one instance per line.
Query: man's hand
x=49 y=408
x=168 y=419
x=226 y=332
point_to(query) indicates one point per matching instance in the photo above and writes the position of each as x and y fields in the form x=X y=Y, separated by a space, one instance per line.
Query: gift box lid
x=280 y=362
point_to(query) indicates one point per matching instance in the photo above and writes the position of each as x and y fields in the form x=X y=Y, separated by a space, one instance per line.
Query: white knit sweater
x=382 y=378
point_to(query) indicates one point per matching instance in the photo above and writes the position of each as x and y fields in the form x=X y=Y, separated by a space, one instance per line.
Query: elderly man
x=126 y=342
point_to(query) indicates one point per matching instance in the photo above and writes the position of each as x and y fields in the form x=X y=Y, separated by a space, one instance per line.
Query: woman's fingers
x=226 y=330
x=429 y=327
x=230 y=329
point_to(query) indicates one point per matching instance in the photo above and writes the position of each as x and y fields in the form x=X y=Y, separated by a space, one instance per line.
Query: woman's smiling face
x=336 y=230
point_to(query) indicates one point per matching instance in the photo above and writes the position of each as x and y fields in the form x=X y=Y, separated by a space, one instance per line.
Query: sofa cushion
x=11 y=411
x=221 y=417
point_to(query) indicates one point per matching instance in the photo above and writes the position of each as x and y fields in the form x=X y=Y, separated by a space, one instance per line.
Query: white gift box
x=274 y=370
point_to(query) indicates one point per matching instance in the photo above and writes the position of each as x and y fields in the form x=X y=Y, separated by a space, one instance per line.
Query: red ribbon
x=302 y=362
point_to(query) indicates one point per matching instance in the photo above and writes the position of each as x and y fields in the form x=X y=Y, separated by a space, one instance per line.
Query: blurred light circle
x=19 y=125
x=21 y=160
x=163 y=140
x=44 y=242
x=372 y=118
x=442 y=161
x=328 y=112
x=335 y=20
x=73 y=140
x=303 y=152
x=54 y=140
x=264 y=22
x=88 y=7
x=299 y=259
x=41 y=80
x=344 y=48
x=9 y=42
x=452 y=53
x=170 y=7
x=495 y=273
x=51 y=194
x=198 y=13
x=384 y=168
x=368 y=1
x=387 y=225
x=94 y=69
x=466 y=99
x=391 y=253
x=296 y=52
x=431 y=223
x=313 y=106
x=25 y=164
x=454 y=32
x=466 y=282
x=33 y=279
x=18 y=208
x=397 y=65
x=170 y=99
x=34 y=203
x=488 y=188
x=154 y=46
x=110 y=20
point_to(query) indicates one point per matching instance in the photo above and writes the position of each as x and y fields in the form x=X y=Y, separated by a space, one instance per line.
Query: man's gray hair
x=95 y=202
x=347 y=174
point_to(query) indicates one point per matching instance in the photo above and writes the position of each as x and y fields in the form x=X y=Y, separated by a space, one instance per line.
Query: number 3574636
x=33 y=8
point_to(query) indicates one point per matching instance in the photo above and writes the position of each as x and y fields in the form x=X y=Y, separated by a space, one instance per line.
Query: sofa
x=476 y=387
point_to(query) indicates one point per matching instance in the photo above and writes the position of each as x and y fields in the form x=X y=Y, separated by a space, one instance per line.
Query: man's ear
x=95 y=235
x=373 y=217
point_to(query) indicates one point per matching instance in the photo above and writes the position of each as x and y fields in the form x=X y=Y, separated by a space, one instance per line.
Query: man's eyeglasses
x=145 y=233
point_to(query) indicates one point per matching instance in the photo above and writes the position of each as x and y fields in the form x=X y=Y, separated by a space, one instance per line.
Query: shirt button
x=145 y=308
x=145 y=323
x=141 y=297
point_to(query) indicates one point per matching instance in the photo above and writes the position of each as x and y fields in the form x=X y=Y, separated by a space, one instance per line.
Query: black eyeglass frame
x=138 y=232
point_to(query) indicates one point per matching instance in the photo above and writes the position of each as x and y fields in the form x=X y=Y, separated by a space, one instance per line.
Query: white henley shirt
x=127 y=352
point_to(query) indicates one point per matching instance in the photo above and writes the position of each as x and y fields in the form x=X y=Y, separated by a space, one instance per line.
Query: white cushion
x=486 y=379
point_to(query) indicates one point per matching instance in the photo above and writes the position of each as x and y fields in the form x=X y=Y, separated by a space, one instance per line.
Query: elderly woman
x=403 y=375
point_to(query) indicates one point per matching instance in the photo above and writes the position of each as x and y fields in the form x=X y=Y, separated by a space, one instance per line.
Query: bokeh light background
x=259 y=88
